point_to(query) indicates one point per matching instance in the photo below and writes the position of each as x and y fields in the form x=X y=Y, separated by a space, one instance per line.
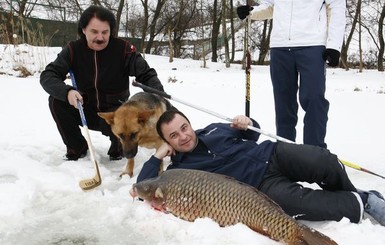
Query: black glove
x=331 y=56
x=244 y=11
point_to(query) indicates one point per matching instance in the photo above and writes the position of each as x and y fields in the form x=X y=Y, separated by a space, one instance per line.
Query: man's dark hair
x=100 y=13
x=167 y=117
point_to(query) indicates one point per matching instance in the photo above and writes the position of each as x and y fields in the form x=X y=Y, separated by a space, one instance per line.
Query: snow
x=41 y=202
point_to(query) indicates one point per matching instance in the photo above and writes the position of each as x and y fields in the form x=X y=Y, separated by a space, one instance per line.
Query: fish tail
x=309 y=236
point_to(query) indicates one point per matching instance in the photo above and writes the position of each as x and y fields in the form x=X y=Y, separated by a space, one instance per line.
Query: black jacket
x=102 y=76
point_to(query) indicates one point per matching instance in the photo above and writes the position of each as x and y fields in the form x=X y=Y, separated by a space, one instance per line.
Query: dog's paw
x=126 y=173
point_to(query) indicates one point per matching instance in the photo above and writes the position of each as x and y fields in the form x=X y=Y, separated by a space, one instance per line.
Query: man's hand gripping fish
x=192 y=194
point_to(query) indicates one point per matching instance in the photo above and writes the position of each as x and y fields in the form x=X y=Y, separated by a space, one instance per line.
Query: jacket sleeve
x=227 y=130
x=150 y=169
x=263 y=11
x=52 y=78
x=256 y=125
x=250 y=134
x=336 y=23
x=138 y=67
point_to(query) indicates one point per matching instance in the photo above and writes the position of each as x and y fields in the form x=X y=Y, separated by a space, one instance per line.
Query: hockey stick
x=167 y=96
x=248 y=64
x=87 y=184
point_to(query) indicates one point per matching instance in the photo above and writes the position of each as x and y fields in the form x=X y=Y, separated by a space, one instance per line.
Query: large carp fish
x=192 y=194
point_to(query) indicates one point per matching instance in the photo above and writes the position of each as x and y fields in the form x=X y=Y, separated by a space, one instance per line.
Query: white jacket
x=304 y=22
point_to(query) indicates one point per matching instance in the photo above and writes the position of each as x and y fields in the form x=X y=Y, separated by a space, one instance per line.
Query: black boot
x=73 y=155
x=115 y=151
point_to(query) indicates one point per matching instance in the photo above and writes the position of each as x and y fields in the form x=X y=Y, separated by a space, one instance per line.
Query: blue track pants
x=305 y=63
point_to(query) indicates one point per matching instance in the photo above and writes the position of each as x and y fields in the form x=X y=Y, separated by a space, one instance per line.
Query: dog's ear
x=108 y=116
x=143 y=116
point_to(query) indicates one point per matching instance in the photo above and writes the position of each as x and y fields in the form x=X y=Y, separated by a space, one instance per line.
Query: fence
x=41 y=32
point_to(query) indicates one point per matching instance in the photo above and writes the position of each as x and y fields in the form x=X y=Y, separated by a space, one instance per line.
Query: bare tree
x=96 y=2
x=232 y=31
x=77 y=4
x=173 y=19
x=224 y=33
x=216 y=20
x=381 y=58
x=152 y=27
x=23 y=8
x=151 y=19
x=180 y=19
x=201 y=34
x=264 y=41
x=119 y=14
x=145 y=21
x=353 y=13
x=360 y=38
x=129 y=29
x=372 y=22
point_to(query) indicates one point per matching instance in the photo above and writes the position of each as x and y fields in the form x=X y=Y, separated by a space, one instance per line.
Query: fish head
x=149 y=191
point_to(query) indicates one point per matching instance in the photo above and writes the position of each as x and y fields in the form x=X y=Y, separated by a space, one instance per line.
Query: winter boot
x=375 y=206
x=115 y=151
x=73 y=155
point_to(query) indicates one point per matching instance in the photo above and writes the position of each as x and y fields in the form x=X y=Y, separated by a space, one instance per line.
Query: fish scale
x=192 y=194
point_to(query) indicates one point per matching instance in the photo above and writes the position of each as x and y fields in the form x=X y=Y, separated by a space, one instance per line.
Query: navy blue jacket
x=232 y=152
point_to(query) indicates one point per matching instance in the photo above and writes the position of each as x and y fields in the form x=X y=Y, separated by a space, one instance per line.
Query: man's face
x=179 y=134
x=97 y=33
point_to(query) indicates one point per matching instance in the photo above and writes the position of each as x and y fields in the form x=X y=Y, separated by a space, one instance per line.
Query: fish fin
x=158 y=193
x=309 y=236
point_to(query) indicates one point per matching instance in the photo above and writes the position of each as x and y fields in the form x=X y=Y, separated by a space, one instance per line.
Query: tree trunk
x=118 y=16
x=345 y=46
x=360 y=40
x=145 y=24
x=265 y=41
x=22 y=8
x=380 y=59
x=224 y=34
x=215 y=32
x=232 y=31
x=171 y=46
x=157 y=12
x=203 y=36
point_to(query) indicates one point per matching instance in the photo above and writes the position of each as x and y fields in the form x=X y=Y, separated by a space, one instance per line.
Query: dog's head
x=132 y=125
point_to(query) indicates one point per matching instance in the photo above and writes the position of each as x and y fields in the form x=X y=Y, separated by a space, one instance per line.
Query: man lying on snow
x=274 y=168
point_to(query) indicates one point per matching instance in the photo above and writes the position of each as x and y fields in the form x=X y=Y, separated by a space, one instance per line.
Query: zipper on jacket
x=291 y=18
x=208 y=153
x=212 y=154
x=96 y=81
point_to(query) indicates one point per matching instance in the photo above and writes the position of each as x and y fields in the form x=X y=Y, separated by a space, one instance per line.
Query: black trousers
x=68 y=120
x=290 y=164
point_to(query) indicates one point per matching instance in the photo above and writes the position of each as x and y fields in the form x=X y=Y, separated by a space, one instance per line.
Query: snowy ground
x=41 y=202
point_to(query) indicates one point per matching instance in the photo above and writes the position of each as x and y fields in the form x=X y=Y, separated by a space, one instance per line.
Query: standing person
x=273 y=168
x=305 y=35
x=101 y=64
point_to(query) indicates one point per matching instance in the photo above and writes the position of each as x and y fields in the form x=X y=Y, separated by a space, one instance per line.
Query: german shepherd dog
x=134 y=123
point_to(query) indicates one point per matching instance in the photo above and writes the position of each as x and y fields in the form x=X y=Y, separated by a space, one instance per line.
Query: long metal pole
x=165 y=95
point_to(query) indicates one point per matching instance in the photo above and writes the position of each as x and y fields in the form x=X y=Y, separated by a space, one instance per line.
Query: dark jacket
x=232 y=152
x=102 y=76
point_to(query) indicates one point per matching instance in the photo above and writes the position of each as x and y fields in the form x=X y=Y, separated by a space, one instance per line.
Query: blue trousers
x=305 y=63
x=68 y=120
